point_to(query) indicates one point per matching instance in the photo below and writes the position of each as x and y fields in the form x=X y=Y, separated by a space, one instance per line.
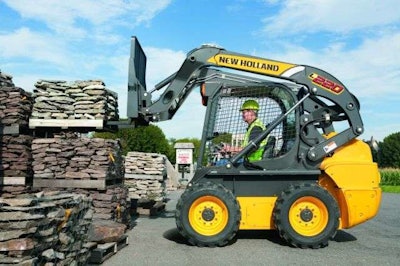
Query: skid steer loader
x=315 y=176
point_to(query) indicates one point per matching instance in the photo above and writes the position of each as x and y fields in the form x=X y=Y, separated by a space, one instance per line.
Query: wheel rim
x=308 y=216
x=208 y=215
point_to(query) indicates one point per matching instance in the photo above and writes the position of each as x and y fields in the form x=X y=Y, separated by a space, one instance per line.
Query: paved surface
x=155 y=241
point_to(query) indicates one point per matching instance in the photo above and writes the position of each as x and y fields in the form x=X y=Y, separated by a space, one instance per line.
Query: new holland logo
x=251 y=64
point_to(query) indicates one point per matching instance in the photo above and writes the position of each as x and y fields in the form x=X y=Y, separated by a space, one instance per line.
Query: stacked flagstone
x=90 y=166
x=15 y=148
x=77 y=158
x=15 y=103
x=6 y=80
x=90 y=99
x=44 y=229
x=111 y=204
x=145 y=176
x=15 y=164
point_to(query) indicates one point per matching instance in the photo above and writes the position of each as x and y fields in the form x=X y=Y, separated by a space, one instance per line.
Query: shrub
x=390 y=176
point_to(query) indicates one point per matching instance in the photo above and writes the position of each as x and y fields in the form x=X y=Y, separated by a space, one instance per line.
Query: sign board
x=184 y=156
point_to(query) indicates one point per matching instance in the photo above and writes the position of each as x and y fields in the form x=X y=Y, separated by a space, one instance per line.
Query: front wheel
x=208 y=214
x=306 y=216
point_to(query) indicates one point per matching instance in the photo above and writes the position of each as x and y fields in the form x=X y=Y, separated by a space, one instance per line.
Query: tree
x=389 y=151
x=143 y=139
x=223 y=137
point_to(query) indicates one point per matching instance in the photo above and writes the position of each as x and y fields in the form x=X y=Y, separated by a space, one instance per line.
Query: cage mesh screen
x=228 y=128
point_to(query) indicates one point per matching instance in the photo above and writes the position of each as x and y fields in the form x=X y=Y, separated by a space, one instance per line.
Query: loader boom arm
x=201 y=62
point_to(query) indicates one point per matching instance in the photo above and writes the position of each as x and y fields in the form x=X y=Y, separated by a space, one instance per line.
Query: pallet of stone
x=87 y=100
x=145 y=175
x=76 y=162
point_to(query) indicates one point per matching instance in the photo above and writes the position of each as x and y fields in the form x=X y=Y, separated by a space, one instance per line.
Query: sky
x=356 y=41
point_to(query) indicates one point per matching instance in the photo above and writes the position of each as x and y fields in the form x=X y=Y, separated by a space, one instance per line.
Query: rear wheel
x=208 y=214
x=306 y=216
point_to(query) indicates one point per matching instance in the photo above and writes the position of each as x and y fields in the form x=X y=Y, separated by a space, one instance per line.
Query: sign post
x=184 y=160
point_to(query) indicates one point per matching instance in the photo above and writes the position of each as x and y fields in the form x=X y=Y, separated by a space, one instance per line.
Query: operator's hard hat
x=250 y=105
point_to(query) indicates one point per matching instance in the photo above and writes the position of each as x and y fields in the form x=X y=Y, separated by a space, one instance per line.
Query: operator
x=255 y=127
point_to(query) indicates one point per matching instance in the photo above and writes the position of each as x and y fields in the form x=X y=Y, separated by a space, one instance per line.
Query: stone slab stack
x=76 y=162
x=15 y=103
x=88 y=99
x=6 y=80
x=15 y=143
x=111 y=205
x=89 y=166
x=145 y=176
x=15 y=164
x=44 y=229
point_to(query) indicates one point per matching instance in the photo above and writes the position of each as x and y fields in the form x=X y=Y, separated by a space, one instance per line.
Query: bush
x=390 y=176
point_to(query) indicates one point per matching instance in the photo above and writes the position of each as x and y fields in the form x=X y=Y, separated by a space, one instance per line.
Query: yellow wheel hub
x=208 y=215
x=308 y=216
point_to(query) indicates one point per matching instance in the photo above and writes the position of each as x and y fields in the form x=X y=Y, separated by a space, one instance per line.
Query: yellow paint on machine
x=354 y=182
x=256 y=212
x=252 y=64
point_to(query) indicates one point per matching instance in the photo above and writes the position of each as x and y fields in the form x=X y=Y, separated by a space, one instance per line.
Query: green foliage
x=390 y=176
x=143 y=139
x=389 y=151
x=224 y=137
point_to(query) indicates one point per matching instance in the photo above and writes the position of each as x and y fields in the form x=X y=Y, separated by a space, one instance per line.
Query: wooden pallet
x=154 y=210
x=101 y=252
x=74 y=183
x=66 y=123
x=13 y=180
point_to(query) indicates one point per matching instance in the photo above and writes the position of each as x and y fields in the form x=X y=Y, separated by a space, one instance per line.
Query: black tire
x=306 y=216
x=207 y=214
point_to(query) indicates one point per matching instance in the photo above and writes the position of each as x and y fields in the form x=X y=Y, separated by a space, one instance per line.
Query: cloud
x=162 y=62
x=24 y=43
x=73 y=17
x=369 y=70
x=188 y=120
x=310 y=16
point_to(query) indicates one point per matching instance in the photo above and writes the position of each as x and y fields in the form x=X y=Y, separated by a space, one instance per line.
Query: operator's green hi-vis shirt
x=255 y=65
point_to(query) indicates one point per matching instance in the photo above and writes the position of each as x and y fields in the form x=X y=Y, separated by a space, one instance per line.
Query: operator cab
x=224 y=127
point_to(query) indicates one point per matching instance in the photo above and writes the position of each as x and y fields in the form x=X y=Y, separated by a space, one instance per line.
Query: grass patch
x=391 y=189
